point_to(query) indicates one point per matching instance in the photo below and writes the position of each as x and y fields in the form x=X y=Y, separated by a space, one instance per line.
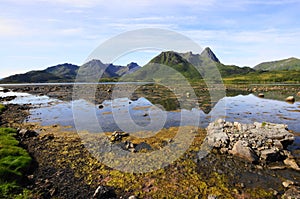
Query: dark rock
x=261 y=95
x=101 y=106
x=143 y=146
x=271 y=155
x=24 y=133
x=47 y=137
x=103 y=192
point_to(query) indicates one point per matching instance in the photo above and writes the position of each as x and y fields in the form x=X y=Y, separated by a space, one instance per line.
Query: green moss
x=13 y=162
x=181 y=179
x=2 y=108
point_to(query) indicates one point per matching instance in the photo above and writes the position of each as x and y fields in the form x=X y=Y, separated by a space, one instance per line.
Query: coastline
x=65 y=169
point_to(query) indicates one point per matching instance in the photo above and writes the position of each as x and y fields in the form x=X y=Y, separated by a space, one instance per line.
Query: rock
x=261 y=95
x=291 y=163
x=132 y=197
x=101 y=106
x=117 y=136
x=298 y=94
x=292 y=193
x=24 y=133
x=270 y=155
x=188 y=95
x=240 y=149
x=258 y=142
x=216 y=137
x=103 y=192
x=287 y=183
x=49 y=136
x=6 y=90
x=290 y=99
x=143 y=146
x=212 y=197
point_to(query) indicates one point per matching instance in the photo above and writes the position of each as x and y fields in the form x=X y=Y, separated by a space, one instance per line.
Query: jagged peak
x=207 y=52
x=94 y=61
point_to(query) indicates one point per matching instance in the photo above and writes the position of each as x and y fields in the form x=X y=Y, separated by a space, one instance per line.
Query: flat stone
x=291 y=163
x=287 y=183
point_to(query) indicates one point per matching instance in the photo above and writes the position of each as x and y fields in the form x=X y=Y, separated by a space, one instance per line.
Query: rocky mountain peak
x=207 y=52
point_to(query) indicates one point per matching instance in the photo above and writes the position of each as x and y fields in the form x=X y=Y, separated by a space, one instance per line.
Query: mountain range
x=191 y=66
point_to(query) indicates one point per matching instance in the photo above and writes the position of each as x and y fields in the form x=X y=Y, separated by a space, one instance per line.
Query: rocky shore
x=260 y=143
x=243 y=160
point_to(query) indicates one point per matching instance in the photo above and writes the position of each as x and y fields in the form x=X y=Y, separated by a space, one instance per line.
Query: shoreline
x=65 y=169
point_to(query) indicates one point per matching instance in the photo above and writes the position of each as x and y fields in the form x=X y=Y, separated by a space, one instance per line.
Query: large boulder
x=240 y=149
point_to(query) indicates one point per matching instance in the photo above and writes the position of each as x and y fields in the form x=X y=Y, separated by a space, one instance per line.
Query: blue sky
x=35 y=34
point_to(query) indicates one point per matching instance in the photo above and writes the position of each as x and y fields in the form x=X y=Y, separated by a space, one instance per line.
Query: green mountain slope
x=285 y=64
x=192 y=66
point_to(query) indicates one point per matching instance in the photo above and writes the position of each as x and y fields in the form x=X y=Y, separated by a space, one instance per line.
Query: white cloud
x=71 y=31
x=9 y=27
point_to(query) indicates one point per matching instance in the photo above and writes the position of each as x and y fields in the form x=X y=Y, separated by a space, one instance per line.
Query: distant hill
x=68 y=72
x=285 y=64
x=191 y=66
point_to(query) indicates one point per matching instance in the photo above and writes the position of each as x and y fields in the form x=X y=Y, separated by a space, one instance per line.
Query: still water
x=141 y=115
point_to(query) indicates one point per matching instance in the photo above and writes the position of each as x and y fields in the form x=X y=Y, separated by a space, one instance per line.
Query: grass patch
x=14 y=161
x=2 y=108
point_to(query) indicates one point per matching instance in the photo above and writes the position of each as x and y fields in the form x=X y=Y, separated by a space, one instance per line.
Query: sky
x=36 y=34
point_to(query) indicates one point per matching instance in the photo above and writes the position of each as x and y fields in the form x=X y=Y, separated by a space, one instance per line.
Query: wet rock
x=290 y=99
x=261 y=95
x=5 y=90
x=24 y=133
x=47 y=137
x=145 y=114
x=101 y=106
x=240 y=149
x=143 y=146
x=7 y=99
x=103 y=192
